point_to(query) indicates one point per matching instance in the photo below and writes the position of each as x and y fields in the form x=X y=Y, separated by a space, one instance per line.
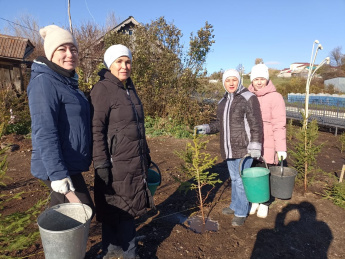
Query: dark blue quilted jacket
x=60 y=122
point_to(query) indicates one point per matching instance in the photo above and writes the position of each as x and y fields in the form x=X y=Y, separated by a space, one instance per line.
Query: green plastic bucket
x=154 y=179
x=256 y=183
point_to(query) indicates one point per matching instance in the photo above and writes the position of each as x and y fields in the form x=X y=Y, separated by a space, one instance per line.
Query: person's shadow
x=303 y=238
x=156 y=225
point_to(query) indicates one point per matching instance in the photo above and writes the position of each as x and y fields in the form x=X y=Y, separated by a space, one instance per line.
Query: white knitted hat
x=114 y=52
x=54 y=36
x=259 y=70
x=231 y=72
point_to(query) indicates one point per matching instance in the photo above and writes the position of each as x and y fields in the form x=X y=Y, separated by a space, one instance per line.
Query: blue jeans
x=239 y=202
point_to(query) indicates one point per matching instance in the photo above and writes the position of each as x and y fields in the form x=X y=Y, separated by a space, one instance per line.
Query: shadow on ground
x=156 y=226
x=288 y=240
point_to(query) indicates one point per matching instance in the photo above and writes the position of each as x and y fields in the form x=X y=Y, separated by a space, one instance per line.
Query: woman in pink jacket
x=273 y=112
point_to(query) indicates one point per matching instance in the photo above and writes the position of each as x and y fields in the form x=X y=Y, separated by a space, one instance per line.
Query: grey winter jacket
x=239 y=122
x=60 y=124
x=119 y=142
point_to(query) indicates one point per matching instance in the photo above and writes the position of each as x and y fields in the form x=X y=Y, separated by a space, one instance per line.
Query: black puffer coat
x=119 y=142
x=239 y=122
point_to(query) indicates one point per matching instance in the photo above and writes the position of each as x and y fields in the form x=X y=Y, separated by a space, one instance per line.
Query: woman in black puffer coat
x=120 y=154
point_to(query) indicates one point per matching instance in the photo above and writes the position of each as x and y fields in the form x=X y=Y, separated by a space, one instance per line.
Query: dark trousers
x=81 y=192
x=120 y=238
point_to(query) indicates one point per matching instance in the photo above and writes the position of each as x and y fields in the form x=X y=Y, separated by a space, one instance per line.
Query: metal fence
x=331 y=116
x=333 y=100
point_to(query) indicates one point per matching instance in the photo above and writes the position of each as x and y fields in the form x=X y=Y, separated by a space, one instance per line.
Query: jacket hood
x=263 y=91
x=38 y=68
x=238 y=91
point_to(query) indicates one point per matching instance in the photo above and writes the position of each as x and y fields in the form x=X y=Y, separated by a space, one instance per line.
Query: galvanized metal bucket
x=64 y=230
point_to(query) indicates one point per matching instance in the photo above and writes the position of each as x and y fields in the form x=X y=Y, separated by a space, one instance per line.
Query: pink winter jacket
x=273 y=112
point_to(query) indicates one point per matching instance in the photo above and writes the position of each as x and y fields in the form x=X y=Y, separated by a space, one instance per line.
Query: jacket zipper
x=139 y=133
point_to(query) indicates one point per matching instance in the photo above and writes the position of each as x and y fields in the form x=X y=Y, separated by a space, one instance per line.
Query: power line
x=87 y=6
x=18 y=24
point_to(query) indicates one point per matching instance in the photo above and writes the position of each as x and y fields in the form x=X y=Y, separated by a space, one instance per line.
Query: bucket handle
x=159 y=172
x=72 y=197
x=281 y=167
x=68 y=195
x=247 y=155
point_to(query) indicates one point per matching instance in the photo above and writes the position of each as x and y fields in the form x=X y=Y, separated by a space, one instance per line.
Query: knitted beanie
x=231 y=72
x=259 y=70
x=54 y=37
x=114 y=52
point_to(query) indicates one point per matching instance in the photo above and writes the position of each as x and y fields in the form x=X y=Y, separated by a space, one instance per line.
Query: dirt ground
x=305 y=226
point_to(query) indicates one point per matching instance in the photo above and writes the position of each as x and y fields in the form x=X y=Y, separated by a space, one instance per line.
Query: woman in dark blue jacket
x=60 y=118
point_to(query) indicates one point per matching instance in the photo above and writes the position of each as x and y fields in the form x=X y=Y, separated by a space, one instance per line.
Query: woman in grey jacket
x=120 y=154
x=60 y=118
x=240 y=125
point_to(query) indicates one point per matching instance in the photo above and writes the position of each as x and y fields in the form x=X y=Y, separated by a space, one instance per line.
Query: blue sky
x=279 y=32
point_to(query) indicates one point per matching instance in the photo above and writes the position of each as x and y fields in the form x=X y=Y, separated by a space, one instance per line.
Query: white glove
x=281 y=154
x=202 y=129
x=63 y=186
x=255 y=153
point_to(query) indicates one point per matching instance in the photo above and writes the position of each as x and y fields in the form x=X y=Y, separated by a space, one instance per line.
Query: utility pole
x=240 y=69
x=69 y=16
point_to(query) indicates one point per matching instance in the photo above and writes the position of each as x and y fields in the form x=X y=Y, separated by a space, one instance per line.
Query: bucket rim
x=255 y=172
x=283 y=176
x=292 y=172
x=251 y=177
x=243 y=158
x=82 y=224
x=155 y=183
x=65 y=231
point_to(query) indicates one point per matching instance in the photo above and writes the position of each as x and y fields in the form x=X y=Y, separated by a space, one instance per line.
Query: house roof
x=118 y=27
x=88 y=50
x=16 y=48
x=129 y=20
x=301 y=63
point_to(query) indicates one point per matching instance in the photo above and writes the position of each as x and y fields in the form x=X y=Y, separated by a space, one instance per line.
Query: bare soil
x=305 y=226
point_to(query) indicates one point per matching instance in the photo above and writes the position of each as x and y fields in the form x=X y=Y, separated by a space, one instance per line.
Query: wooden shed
x=13 y=52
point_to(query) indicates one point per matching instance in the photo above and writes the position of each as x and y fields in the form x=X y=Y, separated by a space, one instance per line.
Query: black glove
x=104 y=174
